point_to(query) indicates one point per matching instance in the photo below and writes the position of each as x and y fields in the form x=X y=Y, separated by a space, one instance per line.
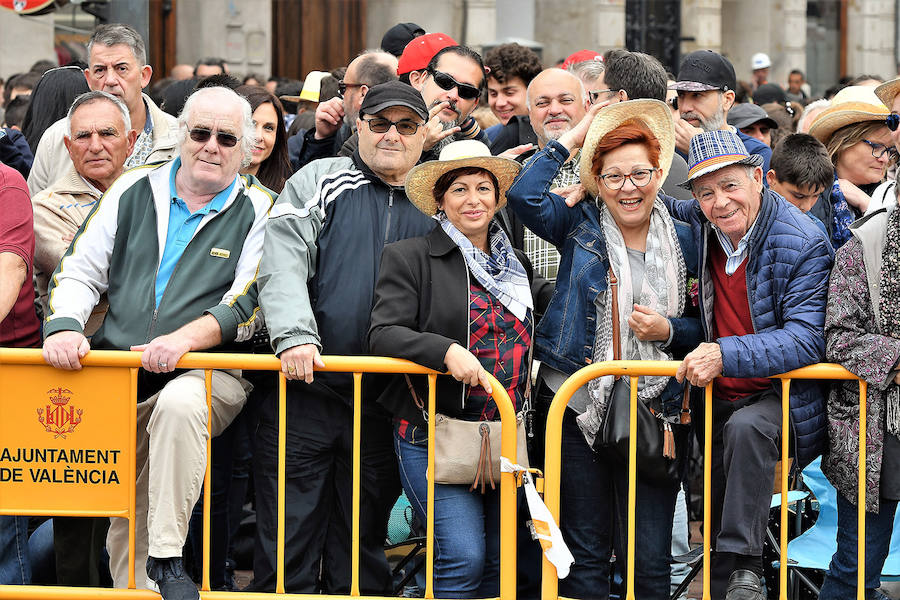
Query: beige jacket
x=58 y=213
x=51 y=160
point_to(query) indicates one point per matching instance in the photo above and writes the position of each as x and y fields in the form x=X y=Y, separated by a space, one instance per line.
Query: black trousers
x=78 y=544
x=318 y=494
x=746 y=446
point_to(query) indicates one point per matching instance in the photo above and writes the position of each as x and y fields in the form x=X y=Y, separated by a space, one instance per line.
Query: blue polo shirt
x=182 y=226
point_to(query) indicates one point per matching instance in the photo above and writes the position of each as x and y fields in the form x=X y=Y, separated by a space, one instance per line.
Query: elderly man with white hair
x=175 y=247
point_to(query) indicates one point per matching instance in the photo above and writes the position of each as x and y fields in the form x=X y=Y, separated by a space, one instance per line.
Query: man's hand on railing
x=701 y=365
x=297 y=362
x=163 y=352
x=65 y=349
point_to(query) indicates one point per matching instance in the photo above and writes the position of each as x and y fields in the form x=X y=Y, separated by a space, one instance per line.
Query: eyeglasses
x=594 y=95
x=878 y=150
x=446 y=82
x=892 y=121
x=382 y=125
x=342 y=87
x=201 y=135
x=673 y=102
x=639 y=178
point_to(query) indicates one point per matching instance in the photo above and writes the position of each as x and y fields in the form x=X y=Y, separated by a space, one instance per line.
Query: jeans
x=15 y=564
x=840 y=581
x=466 y=527
x=593 y=521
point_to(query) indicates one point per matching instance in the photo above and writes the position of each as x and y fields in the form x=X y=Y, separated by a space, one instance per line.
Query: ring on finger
x=292 y=370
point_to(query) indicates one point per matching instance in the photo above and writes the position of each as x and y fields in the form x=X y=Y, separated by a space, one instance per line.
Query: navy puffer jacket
x=787 y=283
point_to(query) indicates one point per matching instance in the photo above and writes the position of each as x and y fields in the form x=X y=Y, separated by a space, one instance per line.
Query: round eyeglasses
x=639 y=178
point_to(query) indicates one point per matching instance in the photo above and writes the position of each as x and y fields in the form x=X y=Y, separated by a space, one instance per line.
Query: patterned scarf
x=501 y=273
x=842 y=216
x=663 y=290
x=890 y=306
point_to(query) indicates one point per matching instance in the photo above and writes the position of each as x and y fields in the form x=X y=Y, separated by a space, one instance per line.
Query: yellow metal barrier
x=634 y=369
x=24 y=378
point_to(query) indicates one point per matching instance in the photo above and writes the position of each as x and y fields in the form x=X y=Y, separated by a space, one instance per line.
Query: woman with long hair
x=51 y=99
x=269 y=163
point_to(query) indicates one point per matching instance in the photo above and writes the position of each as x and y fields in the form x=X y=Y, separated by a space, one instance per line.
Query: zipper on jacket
x=387 y=225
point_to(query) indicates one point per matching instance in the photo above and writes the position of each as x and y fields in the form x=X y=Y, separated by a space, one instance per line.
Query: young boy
x=801 y=171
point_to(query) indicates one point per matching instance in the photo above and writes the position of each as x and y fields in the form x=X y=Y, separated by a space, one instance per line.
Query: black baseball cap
x=769 y=92
x=398 y=36
x=746 y=114
x=393 y=93
x=704 y=70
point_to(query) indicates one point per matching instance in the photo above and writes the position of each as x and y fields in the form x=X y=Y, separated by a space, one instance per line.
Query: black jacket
x=421 y=308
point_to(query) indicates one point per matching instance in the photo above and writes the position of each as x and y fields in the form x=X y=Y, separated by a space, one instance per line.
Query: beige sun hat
x=653 y=113
x=464 y=153
x=853 y=104
x=887 y=91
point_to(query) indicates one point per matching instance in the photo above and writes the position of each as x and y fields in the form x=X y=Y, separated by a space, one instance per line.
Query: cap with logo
x=760 y=60
x=704 y=70
x=419 y=52
x=393 y=93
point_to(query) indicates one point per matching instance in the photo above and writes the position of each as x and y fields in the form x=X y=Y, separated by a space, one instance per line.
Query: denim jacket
x=564 y=338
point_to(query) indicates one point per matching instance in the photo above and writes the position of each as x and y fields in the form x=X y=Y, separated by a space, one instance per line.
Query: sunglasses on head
x=201 y=135
x=893 y=121
x=446 y=82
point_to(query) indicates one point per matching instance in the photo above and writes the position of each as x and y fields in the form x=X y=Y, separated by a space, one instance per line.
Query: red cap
x=419 y=52
x=581 y=56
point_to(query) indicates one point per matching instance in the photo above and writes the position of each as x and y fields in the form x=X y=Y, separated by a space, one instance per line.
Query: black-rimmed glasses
x=878 y=150
x=201 y=135
x=343 y=85
x=639 y=178
x=594 y=95
x=382 y=125
x=446 y=82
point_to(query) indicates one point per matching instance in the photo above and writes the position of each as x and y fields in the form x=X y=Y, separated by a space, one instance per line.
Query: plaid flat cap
x=714 y=150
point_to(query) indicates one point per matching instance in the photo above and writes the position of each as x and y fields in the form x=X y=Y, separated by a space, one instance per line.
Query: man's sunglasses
x=342 y=87
x=382 y=125
x=893 y=121
x=201 y=135
x=446 y=82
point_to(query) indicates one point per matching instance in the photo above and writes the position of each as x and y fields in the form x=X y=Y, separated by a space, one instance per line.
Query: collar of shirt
x=217 y=202
x=91 y=186
x=734 y=256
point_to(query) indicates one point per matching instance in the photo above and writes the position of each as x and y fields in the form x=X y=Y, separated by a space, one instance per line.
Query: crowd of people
x=478 y=215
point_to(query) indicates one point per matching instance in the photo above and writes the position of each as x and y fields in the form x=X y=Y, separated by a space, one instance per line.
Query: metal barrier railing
x=15 y=382
x=634 y=369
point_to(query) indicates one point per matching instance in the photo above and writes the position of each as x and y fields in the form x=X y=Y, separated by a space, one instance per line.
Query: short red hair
x=629 y=132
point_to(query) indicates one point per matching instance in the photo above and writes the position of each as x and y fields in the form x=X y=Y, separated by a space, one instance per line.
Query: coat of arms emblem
x=59 y=417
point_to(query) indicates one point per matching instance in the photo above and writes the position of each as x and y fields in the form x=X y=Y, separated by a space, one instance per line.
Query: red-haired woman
x=627 y=150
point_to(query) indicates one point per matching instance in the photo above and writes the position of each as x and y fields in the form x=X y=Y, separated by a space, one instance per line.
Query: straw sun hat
x=464 y=153
x=887 y=91
x=653 y=113
x=853 y=104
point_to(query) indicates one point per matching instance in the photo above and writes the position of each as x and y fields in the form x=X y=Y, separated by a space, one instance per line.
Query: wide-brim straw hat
x=465 y=153
x=653 y=113
x=853 y=104
x=887 y=91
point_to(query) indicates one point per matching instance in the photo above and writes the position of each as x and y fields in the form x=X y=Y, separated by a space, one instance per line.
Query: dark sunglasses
x=342 y=87
x=673 y=102
x=382 y=125
x=892 y=121
x=446 y=82
x=201 y=135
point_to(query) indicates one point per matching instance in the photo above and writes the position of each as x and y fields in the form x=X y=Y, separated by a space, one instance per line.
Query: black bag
x=656 y=460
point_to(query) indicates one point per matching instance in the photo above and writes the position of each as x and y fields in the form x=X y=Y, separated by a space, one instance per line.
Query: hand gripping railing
x=634 y=369
x=357 y=365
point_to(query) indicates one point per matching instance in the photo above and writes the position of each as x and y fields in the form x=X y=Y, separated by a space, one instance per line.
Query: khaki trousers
x=170 y=464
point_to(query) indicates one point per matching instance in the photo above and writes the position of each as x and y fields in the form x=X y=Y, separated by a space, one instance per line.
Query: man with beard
x=451 y=88
x=705 y=86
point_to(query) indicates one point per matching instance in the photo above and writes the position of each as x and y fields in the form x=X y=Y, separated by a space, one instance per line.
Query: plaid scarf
x=501 y=273
x=890 y=306
x=842 y=216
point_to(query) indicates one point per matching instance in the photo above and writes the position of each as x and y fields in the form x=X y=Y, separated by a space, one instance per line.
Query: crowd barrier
x=79 y=416
x=51 y=413
x=634 y=369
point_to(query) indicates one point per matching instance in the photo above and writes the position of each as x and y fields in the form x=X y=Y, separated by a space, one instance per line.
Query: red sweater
x=731 y=316
x=20 y=328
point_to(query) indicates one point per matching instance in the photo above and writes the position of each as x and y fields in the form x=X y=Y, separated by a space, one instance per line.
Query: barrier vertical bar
x=632 y=484
x=861 y=500
x=429 y=517
x=207 y=482
x=785 y=448
x=132 y=475
x=507 y=492
x=357 y=434
x=282 y=444
x=707 y=488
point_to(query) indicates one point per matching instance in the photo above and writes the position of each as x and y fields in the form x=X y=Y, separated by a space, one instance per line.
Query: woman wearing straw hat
x=627 y=150
x=862 y=331
x=457 y=300
x=855 y=133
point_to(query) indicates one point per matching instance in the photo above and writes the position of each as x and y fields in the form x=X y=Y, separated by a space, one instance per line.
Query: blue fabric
x=842 y=216
x=787 y=283
x=493 y=131
x=466 y=527
x=583 y=268
x=182 y=226
x=15 y=564
x=15 y=153
x=593 y=522
x=754 y=146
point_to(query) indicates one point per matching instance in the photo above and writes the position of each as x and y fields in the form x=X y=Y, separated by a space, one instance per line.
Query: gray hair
x=248 y=135
x=587 y=69
x=119 y=33
x=98 y=96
